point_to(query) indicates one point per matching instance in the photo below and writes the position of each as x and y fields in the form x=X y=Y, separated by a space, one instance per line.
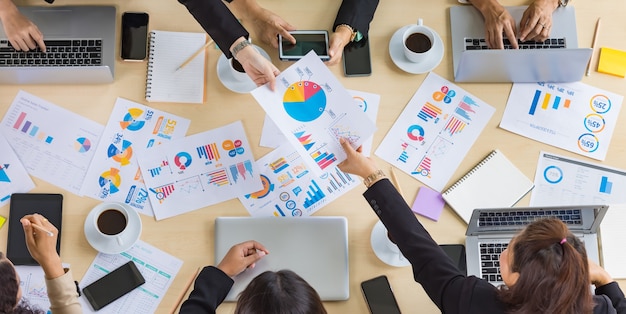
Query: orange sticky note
x=612 y=61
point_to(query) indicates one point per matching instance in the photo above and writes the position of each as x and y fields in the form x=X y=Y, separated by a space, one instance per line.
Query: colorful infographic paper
x=434 y=132
x=310 y=105
x=290 y=189
x=114 y=173
x=13 y=176
x=566 y=181
x=33 y=284
x=272 y=137
x=573 y=116
x=199 y=170
x=54 y=144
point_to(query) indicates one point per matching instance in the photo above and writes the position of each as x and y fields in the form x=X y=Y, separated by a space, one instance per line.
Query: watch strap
x=239 y=47
x=370 y=179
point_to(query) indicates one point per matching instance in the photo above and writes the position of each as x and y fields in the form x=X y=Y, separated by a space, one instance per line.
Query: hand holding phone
x=134 y=36
x=379 y=296
x=316 y=40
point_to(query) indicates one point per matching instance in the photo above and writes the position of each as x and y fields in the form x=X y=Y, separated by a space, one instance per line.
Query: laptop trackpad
x=53 y=23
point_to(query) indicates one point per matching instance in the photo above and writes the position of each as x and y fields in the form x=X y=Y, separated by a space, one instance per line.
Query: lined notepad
x=494 y=182
x=168 y=50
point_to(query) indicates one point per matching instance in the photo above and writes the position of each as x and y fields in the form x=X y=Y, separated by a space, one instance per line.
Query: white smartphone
x=306 y=40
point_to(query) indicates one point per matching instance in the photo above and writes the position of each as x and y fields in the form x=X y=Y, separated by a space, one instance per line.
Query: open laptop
x=315 y=248
x=80 y=42
x=559 y=60
x=490 y=230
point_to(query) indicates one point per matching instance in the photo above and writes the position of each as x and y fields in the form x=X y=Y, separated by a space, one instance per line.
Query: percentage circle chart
x=82 y=145
x=600 y=104
x=553 y=174
x=304 y=101
x=594 y=123
x=588 y=143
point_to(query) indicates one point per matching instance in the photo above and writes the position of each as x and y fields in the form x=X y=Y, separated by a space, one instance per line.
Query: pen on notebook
x=43 y=229
x=194 y=55
x=184 y=291
x=395 y=181
x=593 y=46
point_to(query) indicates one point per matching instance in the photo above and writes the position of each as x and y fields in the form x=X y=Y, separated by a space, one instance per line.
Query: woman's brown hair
x=553 y=273
x=280 y=292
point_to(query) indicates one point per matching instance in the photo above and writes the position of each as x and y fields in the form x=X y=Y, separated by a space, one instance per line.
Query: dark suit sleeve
x=615 y=294
x=356 y=13
x=446 y=286
x=217 y=21
x=209 y=290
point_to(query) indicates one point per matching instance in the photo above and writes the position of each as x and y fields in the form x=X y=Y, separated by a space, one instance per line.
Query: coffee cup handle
x=420 y=22
x=119 y=241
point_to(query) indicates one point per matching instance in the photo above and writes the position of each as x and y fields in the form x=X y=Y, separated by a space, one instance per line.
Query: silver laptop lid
x=315 y=248
x=68 y=22
x=579 y=219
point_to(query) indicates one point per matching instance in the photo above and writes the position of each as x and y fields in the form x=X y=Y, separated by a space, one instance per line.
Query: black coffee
x=111 y=222
x=418 y=42
x=237 y=66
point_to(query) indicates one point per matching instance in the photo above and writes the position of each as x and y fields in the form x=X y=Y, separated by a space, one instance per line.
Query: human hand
x=21 y=32
x=41 y=245
x=241 y=256
x=536 y=21
x=597 y=274
x=338 y=40
x=259 y=69
x=355 y=162
x=268 y=25
x=497 y=21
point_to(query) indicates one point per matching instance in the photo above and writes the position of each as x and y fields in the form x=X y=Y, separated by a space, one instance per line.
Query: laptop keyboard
x=570 y=217
x=60 y=52
x=490 y=261
x=550 y=43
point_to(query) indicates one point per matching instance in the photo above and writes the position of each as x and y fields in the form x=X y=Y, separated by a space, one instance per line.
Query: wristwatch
x=239 y=47
x=355 y=35
x=563 y=3
x=378 y=174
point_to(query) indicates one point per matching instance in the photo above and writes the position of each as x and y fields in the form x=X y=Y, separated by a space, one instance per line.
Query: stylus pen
x=194 y=55
x=43 y=229
x=184 y=292
x=593 y=46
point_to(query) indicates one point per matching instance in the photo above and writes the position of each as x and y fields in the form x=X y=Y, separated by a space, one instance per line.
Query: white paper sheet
x=310 y=104
x=291 y=189
x=435 y=130
x=272 y=137
x=114 y=172
x=157 y=267
x=33 y=284
x=199 y=170
x=573 y=116
x=54 y=144
x=13 y=176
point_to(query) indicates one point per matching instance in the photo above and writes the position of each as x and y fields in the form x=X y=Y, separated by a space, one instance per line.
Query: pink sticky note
x=428 y=203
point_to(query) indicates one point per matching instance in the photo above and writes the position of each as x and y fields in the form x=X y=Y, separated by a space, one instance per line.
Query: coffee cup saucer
x=396 y=51
x=109 y=245
x=225 y=75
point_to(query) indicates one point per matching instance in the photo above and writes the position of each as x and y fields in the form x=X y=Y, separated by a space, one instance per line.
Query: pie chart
x=82 y=145
x=304 y=101
x=131 y=120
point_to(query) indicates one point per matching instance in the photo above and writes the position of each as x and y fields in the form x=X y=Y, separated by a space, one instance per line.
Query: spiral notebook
x=494 y=182
x=168 y=50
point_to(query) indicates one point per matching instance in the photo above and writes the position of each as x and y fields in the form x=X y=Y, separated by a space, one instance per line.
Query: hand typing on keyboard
x=21 y=32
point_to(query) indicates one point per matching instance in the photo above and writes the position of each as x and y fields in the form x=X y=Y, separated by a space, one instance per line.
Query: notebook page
x=612 y=235
x=168 y=50
x=494 y=182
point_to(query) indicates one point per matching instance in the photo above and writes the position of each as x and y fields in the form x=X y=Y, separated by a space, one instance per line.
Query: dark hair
x=557 y=269
x=279 y=292
x=8 y=291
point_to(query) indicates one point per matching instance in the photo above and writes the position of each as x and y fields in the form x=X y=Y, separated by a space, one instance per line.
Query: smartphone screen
x=21 y=204
x=305 y=42
x=134 y=36
x=356 y=58
x=379 y=297
x=113 y=285
x=456 y=252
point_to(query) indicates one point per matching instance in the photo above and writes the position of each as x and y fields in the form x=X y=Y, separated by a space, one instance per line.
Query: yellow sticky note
x=2 y=221
x=612 y=61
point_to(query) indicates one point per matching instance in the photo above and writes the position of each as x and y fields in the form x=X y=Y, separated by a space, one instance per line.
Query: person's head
x=546 y=271
x=279 y=292
x=10 y=292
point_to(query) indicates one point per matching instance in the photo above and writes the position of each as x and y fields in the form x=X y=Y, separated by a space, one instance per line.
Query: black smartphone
x=356 y=58
x=21 y=204
x=306 y=40
x=456 y=252
x=113 y=285
x=379 y=296
x=134 y=36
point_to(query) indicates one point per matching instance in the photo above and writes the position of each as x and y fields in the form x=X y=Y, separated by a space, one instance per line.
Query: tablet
x=316 y=40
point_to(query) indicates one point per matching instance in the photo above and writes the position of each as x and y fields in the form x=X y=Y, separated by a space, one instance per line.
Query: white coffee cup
x=418 y=41
x=110 y=221
x=239 y=74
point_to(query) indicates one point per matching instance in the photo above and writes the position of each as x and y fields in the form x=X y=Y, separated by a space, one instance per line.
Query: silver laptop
x=80 y=42
x=557 y=60
x=315 y=248
x=490 y=230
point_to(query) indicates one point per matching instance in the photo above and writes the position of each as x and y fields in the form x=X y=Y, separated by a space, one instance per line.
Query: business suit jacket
x=224 y=28
x=451 y=290
x=209 y=291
